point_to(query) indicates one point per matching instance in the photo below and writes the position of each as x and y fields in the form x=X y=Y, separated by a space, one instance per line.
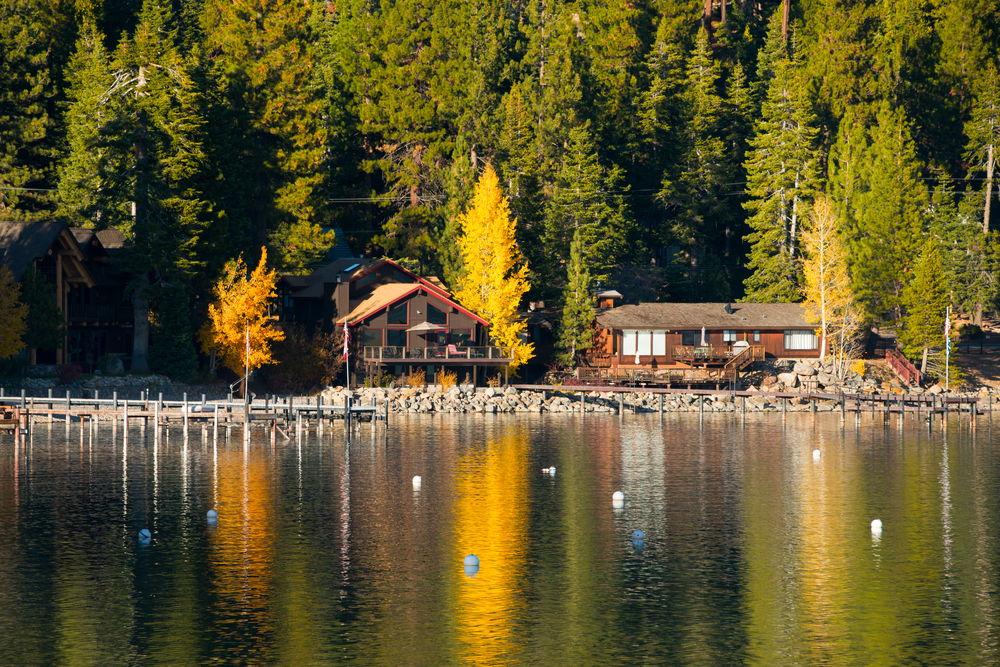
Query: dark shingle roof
x=23 y=242
x=311 y=286
x=672 y=316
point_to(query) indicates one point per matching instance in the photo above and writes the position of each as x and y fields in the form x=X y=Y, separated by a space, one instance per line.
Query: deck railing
x=904 y=367
x=390 y=353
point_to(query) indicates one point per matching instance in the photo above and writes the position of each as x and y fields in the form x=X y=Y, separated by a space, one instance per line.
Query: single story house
x=665 y=334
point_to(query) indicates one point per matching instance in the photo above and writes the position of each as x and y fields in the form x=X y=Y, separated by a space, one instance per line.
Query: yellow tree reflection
x=492 y=515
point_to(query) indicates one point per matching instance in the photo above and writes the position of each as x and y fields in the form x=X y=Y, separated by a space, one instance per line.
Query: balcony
x=453 y=354
x=89 y=314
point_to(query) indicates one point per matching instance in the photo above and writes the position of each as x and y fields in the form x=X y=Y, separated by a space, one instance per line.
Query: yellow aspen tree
x=496 y=275
x=13 y=314
x=829 y=300
x=242 y=303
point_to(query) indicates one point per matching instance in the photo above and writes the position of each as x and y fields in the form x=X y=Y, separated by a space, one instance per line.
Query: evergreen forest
x=672 y=149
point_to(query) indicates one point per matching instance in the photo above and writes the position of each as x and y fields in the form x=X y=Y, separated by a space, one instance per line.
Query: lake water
x=323 y=552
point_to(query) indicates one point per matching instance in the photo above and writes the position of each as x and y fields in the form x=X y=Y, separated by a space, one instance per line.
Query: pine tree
x=781 y=178
x=25 y=123
x=495 y=278
x=152 y=162
x=13 y=314
x=44 y=329
x=983 y=129
x=887 y=221
x=172 y=351
x=576 y=328
x=587 y=196
x=89 y=78
x=926 y=301
x=272 y=135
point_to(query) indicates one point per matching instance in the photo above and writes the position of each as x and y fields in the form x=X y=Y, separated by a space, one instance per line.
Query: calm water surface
x=755 y=553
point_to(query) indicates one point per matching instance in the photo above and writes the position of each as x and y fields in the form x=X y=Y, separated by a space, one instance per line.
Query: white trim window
x=628 y=342
x=729 y=336
x=659 y=343
x=801 y=340
x=644 y=343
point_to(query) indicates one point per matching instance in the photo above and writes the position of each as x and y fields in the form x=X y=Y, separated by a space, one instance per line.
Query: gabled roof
x=311 y=286
x=23 y=242
x=434 y=282
x=385 y=296
x=675 y=316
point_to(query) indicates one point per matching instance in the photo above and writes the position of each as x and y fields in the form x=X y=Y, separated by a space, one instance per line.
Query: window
x=801 y=340
x=643 y=343
x=401 y=277
x=395 y=338
x=729 y=336
x=372 y=337
x=461 y=337
x=690 y=338
x=659 y=343
x=367 y=278
x=399 y=314
x=756 y=336
x=435 y=315
x=628 y=343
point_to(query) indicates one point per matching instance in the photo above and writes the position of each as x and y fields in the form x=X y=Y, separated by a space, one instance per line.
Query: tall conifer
x=576 y=327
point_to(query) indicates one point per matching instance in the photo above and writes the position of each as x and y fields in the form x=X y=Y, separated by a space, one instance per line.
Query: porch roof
x=712 y=316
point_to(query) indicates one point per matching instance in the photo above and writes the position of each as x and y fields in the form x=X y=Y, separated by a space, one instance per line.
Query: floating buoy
x=618 y=495
x=638 y=535
x=816 y=455
x=144 y=534
x=548 y=471
x=417 y=481
x=552 y=470
x=472 y=560
x=618 y=504
x=877 y=526
x=212 y=515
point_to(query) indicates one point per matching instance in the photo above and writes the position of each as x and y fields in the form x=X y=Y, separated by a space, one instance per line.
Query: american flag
x=347 y=337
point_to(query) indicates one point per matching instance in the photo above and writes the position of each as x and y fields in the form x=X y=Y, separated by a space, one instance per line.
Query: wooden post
x=114 y=401
x=347 y=409
x=156 y=418
x=185 y=413
x=583 y=402
x=743 y=405
x=661 y=403
x=68 y=405
x=621 y=404
x=125 y=415
x=701 y=404
x=215 y=426
x=784 y=407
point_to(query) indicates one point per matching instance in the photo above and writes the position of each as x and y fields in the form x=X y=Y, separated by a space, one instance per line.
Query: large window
x=729 y=336
x=398 y=314
x=801 y=340
x=372 y=337
x=461 y=337
x=756 y=336
x=644 y=342
x=690 y=338
x=659 y=343
x=395 y=337
x=435 y=315
x=628 y=343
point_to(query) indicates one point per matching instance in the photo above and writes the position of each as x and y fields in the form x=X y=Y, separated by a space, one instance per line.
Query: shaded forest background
x=685 y=141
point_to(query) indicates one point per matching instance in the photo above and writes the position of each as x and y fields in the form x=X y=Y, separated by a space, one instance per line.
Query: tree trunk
x=140 y=334
x=977 y=315
x=923 y=363
x=706 y=18
x=786 y=7
x=723 y=19
x=989 y=188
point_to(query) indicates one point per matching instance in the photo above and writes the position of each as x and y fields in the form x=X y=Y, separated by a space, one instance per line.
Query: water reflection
x=324 y=551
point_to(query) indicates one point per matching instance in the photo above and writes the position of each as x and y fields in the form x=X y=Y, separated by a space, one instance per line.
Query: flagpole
x=347 y=361
x=947 y=345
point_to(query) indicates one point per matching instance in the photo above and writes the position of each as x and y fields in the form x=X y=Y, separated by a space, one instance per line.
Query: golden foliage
x=13 y=314
x=829 y=298
x=447 y=379
x=496 y=275
x=417 y=378
x=859 y=367
x=493 y=381
x=242 y=304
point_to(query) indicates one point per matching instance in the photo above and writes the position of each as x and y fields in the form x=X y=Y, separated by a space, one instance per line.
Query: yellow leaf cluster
x=13 y=314
x=829 y=298
x=496 y=275
x=241 y=304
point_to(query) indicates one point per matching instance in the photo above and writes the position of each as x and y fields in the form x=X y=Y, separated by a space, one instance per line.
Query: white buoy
x=552 y=470
x=816 y=455
x=472 y=560
x=212 y=515
x=877 y=526
x=417 y=481
x=545 y=471
x=638 y=535
x=144 y=534
x=618 y=504
x=618 y=495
